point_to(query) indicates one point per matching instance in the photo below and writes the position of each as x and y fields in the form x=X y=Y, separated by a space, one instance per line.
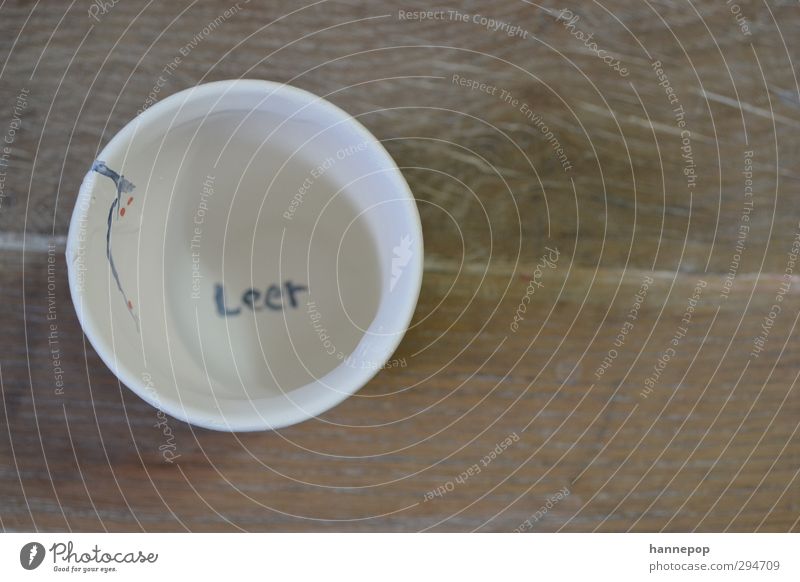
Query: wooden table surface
x=650 y=385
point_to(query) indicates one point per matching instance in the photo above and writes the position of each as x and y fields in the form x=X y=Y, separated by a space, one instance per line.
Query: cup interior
x=244 y=255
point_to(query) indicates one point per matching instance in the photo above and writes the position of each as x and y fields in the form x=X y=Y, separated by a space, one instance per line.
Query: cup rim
x=178 y=407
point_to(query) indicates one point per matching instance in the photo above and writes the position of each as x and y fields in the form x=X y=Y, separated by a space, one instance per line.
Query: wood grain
x=713 y=447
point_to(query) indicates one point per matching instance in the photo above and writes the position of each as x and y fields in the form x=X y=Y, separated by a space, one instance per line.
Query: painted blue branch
x=123 y=186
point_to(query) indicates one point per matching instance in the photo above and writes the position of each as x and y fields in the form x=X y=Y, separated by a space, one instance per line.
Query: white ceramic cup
x=244 y=255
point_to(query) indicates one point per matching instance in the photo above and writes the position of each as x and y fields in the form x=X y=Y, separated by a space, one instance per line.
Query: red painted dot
x=130 y=304
x=130 y=200
x=122 y=212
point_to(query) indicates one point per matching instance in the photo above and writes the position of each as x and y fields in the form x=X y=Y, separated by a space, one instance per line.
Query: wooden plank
x=702 y=441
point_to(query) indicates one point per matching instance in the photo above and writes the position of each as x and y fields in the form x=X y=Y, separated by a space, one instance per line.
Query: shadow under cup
x=245 y=255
